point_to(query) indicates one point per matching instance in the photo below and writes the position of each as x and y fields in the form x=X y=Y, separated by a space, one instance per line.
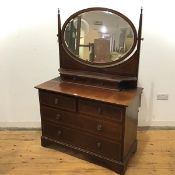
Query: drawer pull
x=59 y=133
x=58 y=117
x=99 y=127
x=74 y=78
x=99 y=110
x=56 y=101
x=98 y=144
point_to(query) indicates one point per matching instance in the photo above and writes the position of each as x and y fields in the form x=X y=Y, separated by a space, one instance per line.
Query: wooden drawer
x=100 y=109
x=83 y=140
x=109 y=130
x=57 y=100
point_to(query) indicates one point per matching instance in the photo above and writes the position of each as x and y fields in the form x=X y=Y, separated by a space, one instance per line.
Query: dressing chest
x=92 y=107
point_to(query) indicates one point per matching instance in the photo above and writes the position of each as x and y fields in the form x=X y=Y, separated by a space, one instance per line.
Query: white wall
x=29 y=55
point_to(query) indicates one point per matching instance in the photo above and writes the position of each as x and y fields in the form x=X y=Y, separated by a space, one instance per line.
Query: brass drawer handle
x=99 y=127
x=101 y=83
x=99 y=110
x=58 y=117
x=74 y=78
x=59 y=133
x=99 y=144
x=56 y=101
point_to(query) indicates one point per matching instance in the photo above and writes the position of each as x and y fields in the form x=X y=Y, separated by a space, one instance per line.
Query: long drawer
x=57 y=100
x=82 y=122
x=100 y=109
x=82 y=140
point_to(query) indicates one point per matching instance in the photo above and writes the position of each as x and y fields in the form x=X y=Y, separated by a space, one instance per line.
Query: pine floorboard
x=21 y=154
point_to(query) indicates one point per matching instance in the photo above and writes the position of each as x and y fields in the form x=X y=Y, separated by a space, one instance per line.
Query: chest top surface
x=112 y=96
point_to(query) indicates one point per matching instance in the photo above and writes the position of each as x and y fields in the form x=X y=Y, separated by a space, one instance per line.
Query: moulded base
x=117 y=166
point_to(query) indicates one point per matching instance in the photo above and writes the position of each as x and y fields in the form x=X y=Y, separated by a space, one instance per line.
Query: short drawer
x=57 y=100
x=83 y=140
x=82 y=122
x=100 y=109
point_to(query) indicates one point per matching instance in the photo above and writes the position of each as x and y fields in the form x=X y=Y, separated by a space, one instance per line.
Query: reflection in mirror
x=99 y=36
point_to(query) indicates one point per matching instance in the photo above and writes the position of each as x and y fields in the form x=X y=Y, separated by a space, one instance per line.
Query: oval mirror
x=99 y=36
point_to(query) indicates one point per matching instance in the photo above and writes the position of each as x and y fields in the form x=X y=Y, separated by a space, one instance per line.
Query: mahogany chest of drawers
x=99 y=123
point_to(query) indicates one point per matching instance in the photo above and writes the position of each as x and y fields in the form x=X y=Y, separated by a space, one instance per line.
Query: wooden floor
x=21 y=154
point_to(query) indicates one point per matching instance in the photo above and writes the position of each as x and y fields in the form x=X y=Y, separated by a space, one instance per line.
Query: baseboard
x=37 y=125
x=156 y=123
x=145 y=128
x=20 y=125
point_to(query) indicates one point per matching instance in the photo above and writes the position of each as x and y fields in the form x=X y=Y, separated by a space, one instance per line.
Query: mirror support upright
x=139 y=37
x=59 y=39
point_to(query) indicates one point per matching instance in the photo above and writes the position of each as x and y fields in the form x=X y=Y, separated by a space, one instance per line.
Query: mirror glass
x=99 y=36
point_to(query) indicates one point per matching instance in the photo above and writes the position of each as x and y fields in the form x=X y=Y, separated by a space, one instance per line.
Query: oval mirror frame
x=121 y=59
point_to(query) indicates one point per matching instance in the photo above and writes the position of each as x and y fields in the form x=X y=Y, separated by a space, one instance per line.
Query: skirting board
x=157 y=123
x=31 y=125
x=20 y=125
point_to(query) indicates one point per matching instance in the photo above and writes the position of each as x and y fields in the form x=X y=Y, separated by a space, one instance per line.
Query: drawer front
x=100 y=109
x=83 y=140
x=112 y=131
x=57 y=100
